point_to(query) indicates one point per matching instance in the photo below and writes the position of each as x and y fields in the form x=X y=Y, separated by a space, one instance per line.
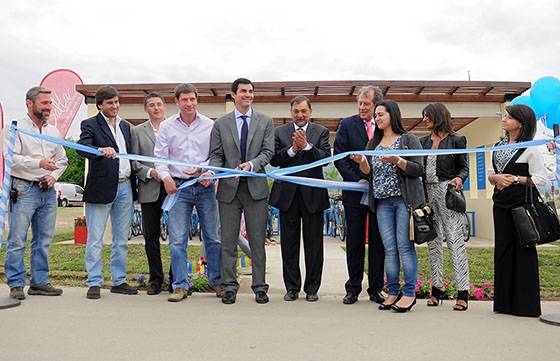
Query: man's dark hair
x=185 y=89
x=441 y=117
x=105 y=93
x=300 y=99
x=526 y=116
x=153 y=95
x=238 y=81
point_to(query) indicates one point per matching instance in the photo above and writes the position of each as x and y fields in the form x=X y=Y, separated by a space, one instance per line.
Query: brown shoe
x=154 y=289
x=44 y=290
x=219 y=289
x=178 y=295
x=125 y=289
x=17 y=293
x=94 y=293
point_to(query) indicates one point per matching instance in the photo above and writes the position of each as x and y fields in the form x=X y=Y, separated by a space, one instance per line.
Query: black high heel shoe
x=398 y=309
x=387 y=306
x=462 y=296
x=438 y=295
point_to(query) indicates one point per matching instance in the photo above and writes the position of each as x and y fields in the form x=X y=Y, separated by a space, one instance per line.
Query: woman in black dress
x=516 y=268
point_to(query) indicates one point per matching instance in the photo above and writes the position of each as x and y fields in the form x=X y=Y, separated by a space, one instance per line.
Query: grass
x=67 y=265
x=481 y=268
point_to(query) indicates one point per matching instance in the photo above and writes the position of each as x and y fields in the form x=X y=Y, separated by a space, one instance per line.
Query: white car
x=68 y=193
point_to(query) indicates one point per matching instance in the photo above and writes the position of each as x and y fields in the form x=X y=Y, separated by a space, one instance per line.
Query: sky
x=182 y=41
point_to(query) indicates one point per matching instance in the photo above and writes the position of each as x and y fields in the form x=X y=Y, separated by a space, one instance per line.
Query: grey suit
x=151 y=195
x=143 y=141
x=239 y=194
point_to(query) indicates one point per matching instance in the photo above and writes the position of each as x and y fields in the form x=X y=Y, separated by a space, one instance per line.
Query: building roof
x=331 y=90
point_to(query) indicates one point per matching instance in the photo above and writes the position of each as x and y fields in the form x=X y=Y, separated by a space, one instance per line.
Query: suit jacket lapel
x=311 y=131
x=150 y=131
x=252 y=128
x=233 y=128
x=361 y=128
x=126 y=134
x=105 y=128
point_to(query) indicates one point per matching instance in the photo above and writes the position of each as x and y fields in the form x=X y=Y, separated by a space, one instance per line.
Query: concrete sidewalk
x=142 y=327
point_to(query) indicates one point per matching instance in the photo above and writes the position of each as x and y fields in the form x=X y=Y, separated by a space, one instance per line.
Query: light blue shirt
x=239 y=121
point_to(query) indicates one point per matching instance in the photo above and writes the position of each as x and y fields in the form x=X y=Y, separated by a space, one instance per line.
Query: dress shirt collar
x=118 y=119
x=296 y=127
x=238 y=114
x=196 y=120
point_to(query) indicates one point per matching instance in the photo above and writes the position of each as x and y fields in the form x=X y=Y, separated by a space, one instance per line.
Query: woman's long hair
x=441 y=117
x=396 y=122
x=526 y=116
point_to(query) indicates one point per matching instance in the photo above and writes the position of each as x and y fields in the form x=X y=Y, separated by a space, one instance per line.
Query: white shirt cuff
x=149 y=174
x=291 y=152
x=308 y=146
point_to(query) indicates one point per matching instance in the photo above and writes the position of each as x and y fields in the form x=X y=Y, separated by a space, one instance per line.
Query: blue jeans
x=393 y=221
x=179 y=223
x=97 y=214
x=37 y=209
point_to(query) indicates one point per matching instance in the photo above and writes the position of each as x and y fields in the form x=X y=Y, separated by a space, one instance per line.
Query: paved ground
x=150 y=328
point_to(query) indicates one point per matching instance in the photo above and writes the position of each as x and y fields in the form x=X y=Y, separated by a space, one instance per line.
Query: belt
x=176 y=179
x=122 y=180
x=27 y=181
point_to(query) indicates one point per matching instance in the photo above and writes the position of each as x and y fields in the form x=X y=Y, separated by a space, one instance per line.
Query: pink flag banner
x=1 y=144
x=66 y=100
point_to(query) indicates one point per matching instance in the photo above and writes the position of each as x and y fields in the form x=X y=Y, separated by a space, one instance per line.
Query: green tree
x=74 y=173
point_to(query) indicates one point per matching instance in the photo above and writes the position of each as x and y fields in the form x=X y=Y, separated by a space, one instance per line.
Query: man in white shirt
x=37 y=164
x=109 y=189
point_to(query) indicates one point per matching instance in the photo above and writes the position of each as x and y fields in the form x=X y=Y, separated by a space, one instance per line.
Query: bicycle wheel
x=341 y=225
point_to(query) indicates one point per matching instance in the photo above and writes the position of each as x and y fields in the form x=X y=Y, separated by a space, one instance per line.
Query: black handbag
x=455 y=200
x=423 y=223
x=536 y=222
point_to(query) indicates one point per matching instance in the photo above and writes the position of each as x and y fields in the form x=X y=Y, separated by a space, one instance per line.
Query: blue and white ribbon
x=283 y=174
x=5 y=196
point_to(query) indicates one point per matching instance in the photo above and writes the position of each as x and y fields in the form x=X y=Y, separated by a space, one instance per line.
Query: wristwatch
x=516 y=179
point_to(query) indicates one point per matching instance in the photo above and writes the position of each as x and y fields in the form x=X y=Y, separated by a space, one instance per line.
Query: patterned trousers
x=449 y=226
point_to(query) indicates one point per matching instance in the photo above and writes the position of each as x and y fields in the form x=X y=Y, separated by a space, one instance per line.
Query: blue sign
x=481 y=170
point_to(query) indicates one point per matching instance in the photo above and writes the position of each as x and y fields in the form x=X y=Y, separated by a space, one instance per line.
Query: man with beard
x=37 y=164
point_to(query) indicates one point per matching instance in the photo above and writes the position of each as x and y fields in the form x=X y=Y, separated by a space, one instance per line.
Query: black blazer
x=103 y=173
x=282 y=194
x=451 y=165
x=351 y=135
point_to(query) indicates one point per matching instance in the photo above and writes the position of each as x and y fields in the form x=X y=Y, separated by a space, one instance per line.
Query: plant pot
x=80 y=234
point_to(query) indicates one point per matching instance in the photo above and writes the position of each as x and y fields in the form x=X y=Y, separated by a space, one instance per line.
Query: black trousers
x=516 y=270
x=151 y=216
x=355 y=251
x=290 y=231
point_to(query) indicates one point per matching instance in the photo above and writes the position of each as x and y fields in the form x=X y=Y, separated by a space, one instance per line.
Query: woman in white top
x=516 y=268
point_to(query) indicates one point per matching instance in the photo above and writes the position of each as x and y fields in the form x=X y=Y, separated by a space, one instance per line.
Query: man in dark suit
x=297 y=143
x=353 y=134
x=242 y=139
x=151 y=192
x=108 y=191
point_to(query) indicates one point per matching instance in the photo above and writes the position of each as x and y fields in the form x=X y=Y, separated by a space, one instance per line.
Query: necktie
x=369 y=130
x=243 y=138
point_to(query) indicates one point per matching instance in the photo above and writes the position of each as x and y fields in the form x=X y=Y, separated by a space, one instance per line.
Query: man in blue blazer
x=108 y=191
x=353 y=134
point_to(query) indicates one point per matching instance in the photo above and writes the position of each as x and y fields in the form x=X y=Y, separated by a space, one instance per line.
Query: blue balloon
x=523 y=99
x=545 y=95
x=553 y=117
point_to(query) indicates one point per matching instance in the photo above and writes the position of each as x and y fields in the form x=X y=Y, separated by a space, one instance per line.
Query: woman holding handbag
x=395 y=187
x=446 y=173
x=516 y=268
